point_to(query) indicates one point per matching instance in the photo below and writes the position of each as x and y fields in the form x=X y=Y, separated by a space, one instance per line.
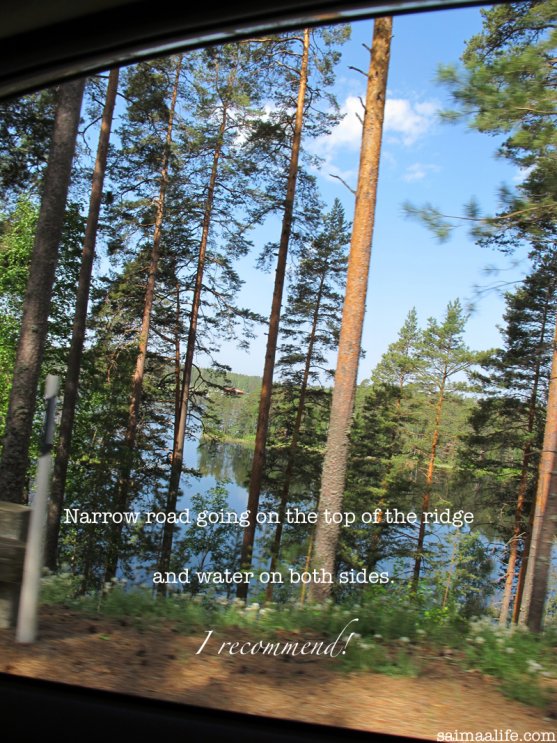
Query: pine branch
x=352 y=191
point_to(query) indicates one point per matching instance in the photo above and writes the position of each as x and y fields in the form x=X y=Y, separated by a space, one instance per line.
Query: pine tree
x=226 y=101
x=122 y=498
x=310 y=322
x=78 y=330
x=334 y=466
x=298 y=81
x=507 y=87
x=444 y=355
x=534 y=593
x=381 y=464
x=15 y=454
x=25 y=135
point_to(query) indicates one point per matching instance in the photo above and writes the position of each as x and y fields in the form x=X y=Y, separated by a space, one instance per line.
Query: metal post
x=26 y=630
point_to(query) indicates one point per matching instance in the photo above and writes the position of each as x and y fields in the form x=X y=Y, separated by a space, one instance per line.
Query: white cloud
x=418 y=171
x=349 y=131
x=407 y=120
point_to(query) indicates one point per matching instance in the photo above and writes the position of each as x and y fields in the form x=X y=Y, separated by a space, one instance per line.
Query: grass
x=395 y=633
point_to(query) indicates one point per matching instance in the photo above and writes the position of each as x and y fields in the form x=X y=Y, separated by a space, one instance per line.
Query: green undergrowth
x=395 y=633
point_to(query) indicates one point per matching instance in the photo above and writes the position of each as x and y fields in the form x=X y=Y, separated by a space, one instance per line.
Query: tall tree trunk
x=517 y=531
x=78 y=330
x=523 y=483
x=275 y=549
x=545 y=515
x=137 y=379
x=429 y=480
x=274 y=321
x=34 y=325
x=177 y=365
x=309 y=554
x=334 y=466
x=180 y=433
x=523 y=569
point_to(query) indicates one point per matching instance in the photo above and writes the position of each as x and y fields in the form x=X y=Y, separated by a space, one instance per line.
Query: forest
x=131 y=201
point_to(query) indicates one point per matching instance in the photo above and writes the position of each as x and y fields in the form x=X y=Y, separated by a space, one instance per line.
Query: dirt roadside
x=112 y=654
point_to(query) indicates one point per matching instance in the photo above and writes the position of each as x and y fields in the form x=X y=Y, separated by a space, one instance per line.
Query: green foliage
x=16 y=247
x=506 y=86
x=60 y=588
x=520 y=659
x=310 y=327
x=501 y=452
x=235 y=412
x=211 y=547
x=417 y=388
x=397 y=631
x=464 y=585
x=25 y=130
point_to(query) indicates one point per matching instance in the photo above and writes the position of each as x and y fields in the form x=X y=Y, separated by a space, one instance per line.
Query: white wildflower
x=533 y=667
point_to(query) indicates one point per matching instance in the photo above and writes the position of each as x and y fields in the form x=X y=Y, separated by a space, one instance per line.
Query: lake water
x=229 y=465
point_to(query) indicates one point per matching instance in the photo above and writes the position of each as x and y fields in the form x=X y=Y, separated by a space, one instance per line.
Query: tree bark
x=545 y=515
x=523 y=569
x=34 y=326
x=78 y=330
x=274 y=321
x=523 y=483
x=334 y=465
x=275 y=549
x=177 y=365
x=137 y=379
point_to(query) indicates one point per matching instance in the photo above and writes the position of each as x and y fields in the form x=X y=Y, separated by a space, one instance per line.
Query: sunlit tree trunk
x=121 y=504
x=272 y=336
x=307 y=564
x=78 y=329
x=334 y=465
x=523 y=569
x=523 y=483
x=34 y=325
x=545 y=515
x=177 y=365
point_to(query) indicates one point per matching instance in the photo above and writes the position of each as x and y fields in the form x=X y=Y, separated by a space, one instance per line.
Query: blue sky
x=423 y=160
